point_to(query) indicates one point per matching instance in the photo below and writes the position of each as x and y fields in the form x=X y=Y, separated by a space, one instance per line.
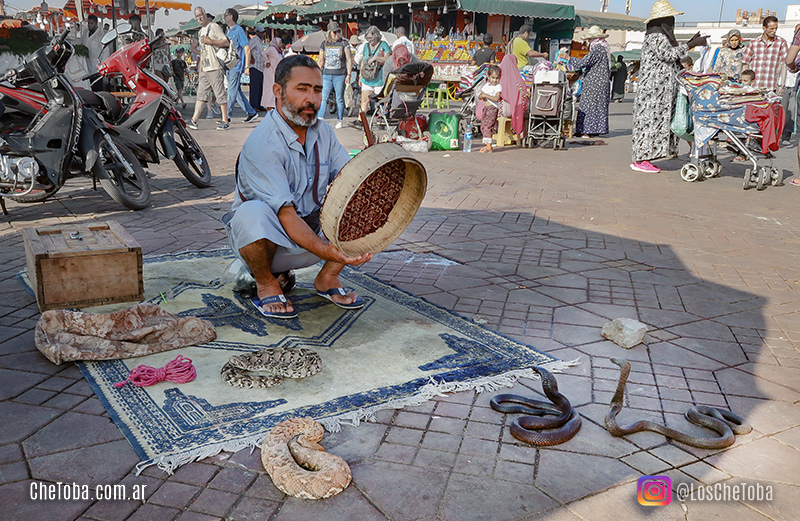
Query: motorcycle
x=48 y=134
x=150 y=124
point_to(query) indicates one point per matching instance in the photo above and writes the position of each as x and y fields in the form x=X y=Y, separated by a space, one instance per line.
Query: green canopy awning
x=524 y=8
x=191 y=25
x=330 y=6
x=281 y=8
x=607 y=21
x=290 y=27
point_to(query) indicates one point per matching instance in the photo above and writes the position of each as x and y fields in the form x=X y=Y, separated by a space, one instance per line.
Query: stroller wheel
x=763 y=178
x=711 y=168
x=748 y=177
x=777 y=177
x=690 y=173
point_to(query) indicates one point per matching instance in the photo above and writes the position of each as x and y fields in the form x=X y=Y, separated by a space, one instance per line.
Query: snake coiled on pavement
x=277 y=363
x=297 y=463
x=564 y=425
x=725 y=423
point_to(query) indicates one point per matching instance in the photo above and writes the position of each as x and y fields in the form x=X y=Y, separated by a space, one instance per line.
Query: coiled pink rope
x=179 y=371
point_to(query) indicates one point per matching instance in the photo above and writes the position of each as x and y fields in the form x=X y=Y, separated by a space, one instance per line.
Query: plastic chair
x=505 y=134
x=442 y=99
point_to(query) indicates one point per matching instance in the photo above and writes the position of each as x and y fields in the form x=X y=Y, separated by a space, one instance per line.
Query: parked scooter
x=47 y=133
x=150 y=124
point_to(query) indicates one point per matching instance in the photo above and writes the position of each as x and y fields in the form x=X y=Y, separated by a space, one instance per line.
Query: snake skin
x=725 y=423
x=278 y=363
x=297 y=463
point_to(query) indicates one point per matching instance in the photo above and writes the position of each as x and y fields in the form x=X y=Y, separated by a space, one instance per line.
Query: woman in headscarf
x=729 y=58
x=592 y=117
x=618 y=77
x=376 y=53
x=657 y=91
x=515 y=95
x=272 y=55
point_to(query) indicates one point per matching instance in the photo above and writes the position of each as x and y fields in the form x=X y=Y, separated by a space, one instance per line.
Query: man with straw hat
x=593 y=110
x=657 y=91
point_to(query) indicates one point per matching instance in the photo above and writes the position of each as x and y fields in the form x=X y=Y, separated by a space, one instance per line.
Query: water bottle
x=468 y=140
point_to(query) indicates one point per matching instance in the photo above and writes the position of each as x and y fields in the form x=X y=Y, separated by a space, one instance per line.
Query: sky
x=696 y=11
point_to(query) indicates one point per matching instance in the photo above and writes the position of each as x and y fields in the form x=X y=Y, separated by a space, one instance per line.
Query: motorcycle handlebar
x=61 y=38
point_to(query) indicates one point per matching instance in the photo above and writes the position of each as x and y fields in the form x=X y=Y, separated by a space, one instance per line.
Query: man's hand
x=332 y=253
x=779 y=91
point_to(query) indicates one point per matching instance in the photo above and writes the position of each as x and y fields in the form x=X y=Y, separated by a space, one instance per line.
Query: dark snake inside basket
x=369 y=207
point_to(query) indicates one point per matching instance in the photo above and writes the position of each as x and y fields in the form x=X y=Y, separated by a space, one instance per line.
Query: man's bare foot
x=271 y=290
x=326 y=282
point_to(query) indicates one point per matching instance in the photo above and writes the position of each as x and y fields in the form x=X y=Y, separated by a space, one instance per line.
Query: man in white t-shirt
x=400 y=32
x=211 y=76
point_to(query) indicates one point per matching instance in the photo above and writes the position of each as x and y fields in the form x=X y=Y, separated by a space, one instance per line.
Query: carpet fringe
x=169 y=463
x=441 y=388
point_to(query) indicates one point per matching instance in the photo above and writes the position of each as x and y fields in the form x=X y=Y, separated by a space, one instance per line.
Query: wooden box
x=78 y=265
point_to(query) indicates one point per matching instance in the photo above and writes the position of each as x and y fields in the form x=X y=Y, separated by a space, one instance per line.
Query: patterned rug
x=397 y=350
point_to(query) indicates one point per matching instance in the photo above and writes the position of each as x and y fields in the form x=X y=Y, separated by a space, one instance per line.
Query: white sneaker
x=338 y=124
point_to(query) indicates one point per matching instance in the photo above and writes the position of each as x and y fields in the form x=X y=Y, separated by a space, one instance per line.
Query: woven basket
x=373 y=199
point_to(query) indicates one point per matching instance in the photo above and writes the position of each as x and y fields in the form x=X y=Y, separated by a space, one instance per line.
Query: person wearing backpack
x=236 y=34
x=210 y=75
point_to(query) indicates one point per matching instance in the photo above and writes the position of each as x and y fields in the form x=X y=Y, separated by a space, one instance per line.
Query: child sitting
x=490 y=93
x=747 y=78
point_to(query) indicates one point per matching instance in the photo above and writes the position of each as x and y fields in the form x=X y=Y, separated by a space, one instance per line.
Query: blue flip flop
x=275 y=299
x=358 y=304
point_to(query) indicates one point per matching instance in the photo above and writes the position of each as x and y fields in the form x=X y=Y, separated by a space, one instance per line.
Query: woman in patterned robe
x=656 y=93
x=593 y=110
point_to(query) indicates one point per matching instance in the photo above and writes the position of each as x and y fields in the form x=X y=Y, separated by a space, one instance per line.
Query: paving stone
x=441 y=441
x=171 y=494
x=232 y=480
x=790 y=437
x=466 y=499
x=263 y=488
x=214 y=502
x=148 y=512
x=34 y=396
x=762 y=459
x=479 y=447
x=733 y=381
x=347 y=506
x=435 y=459
x=11 y=472
x=672 y=455
x=567 y=477
x=396 y=453
x=453 y=410
x=56 y=383
x=81 y=465
x=512 y=471
x=402 y=493
x=112 y=510
x=197 y=516
x=486 y=431
x=404 y=436
x=64 y=401
x=410 y=419
x=18 y=504
x=646 y=463
x=355 y=443
x=90 y=406
x=27 y=419
x=447 y=425
x=70 y=431
x=17 y=382
x=474 y=465
x=10 y=454
x=705 y=473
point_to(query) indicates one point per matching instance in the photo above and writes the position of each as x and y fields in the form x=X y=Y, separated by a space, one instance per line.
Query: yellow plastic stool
x=442 y=101
x=505 y=134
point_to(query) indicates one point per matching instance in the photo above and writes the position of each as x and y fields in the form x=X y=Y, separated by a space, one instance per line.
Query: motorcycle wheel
x=120 y=173
x=190 y=159
x=38 y=196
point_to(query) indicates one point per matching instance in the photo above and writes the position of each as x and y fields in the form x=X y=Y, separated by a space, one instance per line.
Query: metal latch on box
x=76 y=235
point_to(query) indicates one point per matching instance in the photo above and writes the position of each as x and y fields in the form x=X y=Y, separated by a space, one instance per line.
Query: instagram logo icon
x=654 y=491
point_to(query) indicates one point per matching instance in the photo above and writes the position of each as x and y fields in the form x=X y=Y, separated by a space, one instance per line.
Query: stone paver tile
x=56 y=383
x=17 y=382
x=411 y=419
x=784 y=505
x=396 y=453
x=176 y=495
x=263 y=488
x=112 y=510
x=404 y=436
x=435 y=459
x=513 y=471
x=479 y=447
x=672 y=455
x=452 y=410
x=790 y=437
x=448 y=425
x=197 y=516
x=232 y=480
x=646 y=463
x=214 y=502
x=567 y=477
x=11 y=472
x=81 y=465
x=403 y=493
x=18 y=504
x=485 y=414
x=64 y=401
x=441 y=441
x=34 y=396
x=559 y=514
x=475 y=465
x=762 y=459
x=740 y=383
x=350 y=505
x=195 y=473
x=467 y=499
x=70 y=431
x=10 y=454
x=148 y=512
x=355 y=443
x=486 y=431
x=91 y=406
x=765 y=416
x=27 y=420
x=705 y=473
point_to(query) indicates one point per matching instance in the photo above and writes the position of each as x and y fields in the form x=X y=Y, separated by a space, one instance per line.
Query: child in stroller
x=403 y=93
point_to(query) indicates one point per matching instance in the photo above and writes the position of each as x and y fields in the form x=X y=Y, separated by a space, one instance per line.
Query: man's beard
x=293 y=114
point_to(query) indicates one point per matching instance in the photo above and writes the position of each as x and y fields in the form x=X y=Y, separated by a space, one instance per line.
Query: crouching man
x=283 y=173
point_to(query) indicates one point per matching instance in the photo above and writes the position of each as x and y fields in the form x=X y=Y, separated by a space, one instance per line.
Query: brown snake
x=563 y=427
x=725 y=423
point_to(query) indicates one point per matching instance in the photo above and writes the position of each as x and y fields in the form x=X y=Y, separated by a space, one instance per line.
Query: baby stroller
x=717 y=109
x=469 y=88
x=550 y=110
x=403 y=95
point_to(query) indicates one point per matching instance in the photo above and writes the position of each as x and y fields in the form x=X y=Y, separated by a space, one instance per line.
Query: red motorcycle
x=150 y=124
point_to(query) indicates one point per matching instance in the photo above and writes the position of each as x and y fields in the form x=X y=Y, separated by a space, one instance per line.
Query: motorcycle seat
x=103 y=102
